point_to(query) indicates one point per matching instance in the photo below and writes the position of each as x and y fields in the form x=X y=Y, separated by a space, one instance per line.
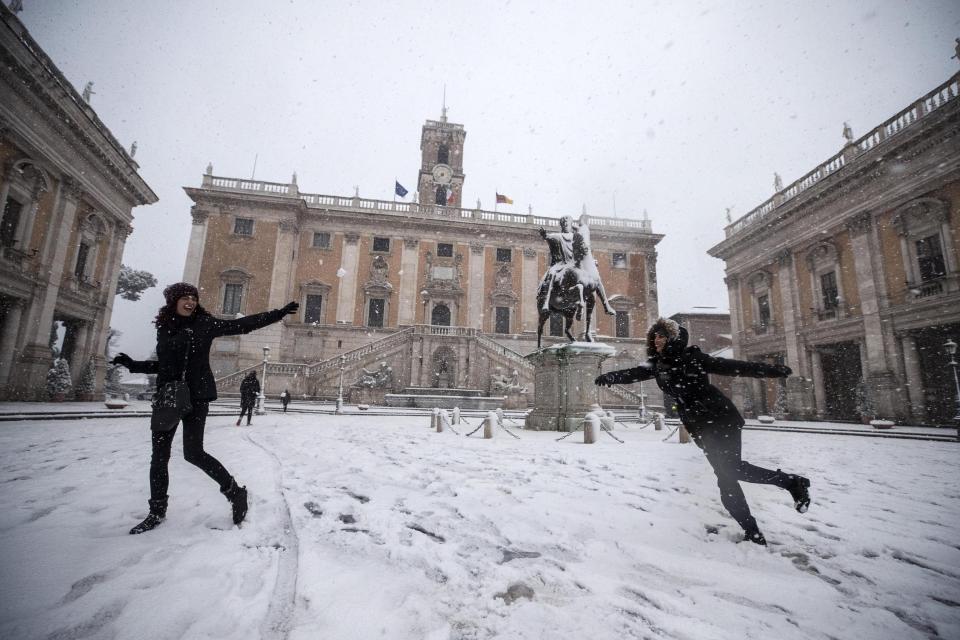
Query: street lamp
x=951 y=348
x=261 y=397
x=339 y=408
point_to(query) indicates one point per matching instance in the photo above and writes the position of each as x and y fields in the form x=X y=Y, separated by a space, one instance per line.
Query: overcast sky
x=678 y=108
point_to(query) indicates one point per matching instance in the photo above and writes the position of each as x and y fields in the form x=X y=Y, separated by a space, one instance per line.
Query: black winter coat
x=249 y=389
x=199 y=331
x=681 y=372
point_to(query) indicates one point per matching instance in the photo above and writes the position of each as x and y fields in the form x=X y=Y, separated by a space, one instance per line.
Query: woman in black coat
x=709 y=416
x=185 y=331
x=249 y=390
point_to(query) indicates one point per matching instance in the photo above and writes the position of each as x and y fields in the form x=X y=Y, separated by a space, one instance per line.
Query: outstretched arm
x=730 y=367
x=136 y=366
x=252 y=322
x=625 y=376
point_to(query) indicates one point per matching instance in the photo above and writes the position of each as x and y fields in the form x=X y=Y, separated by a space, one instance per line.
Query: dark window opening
x=243 y=226
x=443 y=154
x=828 y=291
x=444 y=250
x=10 y=222
x=556 y=324
x=375 y=315
x=504 y=255
x=321 y=240
x=232 y=296
x=502 y=323
x=763 y=311
x=440 y=316
x=930 y=258
x=623 y=324
x=441 y=195
x=80 y=270
x=312 y=308
x=381 y=244
x=619 y=261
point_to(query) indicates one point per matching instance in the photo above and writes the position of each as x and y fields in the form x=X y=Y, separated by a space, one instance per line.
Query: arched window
x=443 y=154
x=441 y=195
x=762 y=305
x=24 y=183
x=92 y=233
x=440 y=316
x=926 y=247
x=825 y=283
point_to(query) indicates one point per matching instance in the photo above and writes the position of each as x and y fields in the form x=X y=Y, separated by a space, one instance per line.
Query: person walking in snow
x=285 y=399
x=710 y=417
x=249 y=390
x=185 y=331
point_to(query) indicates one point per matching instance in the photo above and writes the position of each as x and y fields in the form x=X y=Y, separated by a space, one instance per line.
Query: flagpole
x=496 y=200
x=395 y=182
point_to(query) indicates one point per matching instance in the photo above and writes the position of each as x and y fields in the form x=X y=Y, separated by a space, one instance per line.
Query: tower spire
x=443 y=111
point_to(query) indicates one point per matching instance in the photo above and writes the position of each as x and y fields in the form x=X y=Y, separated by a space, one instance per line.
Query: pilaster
x=530 y=281
x=347 y=292
x=408 y=295
x=198 y=239
x=475 y=303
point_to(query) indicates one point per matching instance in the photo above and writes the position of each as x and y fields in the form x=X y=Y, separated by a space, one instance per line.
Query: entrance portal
x=842 y=376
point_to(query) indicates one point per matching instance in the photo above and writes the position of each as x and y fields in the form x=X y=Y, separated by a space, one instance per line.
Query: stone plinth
x=563 y=384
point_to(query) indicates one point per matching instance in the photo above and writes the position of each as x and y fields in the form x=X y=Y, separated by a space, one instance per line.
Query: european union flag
x=399 y=190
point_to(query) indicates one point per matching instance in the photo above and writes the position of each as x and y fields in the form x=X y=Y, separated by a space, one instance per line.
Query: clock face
x=442 y=174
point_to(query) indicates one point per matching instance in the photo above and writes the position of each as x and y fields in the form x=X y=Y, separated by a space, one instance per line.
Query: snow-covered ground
x=377 y=527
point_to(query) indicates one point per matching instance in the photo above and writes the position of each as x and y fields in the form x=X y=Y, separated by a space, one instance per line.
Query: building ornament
x=529 y=253
x=351 y=238
x=860 y=223
x=732 y=281
x=920 y=212
x=289 y=226
x=784 y=258
x=411 y=243
x=476 y=249
x=198 y=214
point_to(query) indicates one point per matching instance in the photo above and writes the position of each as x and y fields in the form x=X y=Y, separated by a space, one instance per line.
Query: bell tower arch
x=441 y=162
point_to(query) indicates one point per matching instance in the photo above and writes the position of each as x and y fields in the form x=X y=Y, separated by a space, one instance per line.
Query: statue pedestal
x=563 y=384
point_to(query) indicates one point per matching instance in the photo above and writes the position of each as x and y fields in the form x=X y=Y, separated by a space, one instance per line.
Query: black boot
x=755 y=537
x=237 y=496
x=158 y=511
x=798 y=487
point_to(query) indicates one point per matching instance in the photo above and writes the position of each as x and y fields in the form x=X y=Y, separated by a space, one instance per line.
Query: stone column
x=347 y=292
x=8 y=340
x=101 y=326
x=737 y=385
x=819 y=393
x=198 y=238
x=408 y=295
x=475 y=294
x=915 y=392
x=786 y=279
x=530 y=280
x=36 y=353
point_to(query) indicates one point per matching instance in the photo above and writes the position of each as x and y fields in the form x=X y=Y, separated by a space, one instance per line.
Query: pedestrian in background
x=285 y=399
x=249 y=390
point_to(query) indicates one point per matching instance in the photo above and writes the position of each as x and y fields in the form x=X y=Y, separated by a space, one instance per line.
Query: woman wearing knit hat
x=711 y=419
x=185 y=331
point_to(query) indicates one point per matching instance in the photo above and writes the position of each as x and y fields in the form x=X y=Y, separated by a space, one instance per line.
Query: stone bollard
x=434 y=415
x=591 y=427
x=489 y=424
x=499 y=416
x=684 y=434
x=608 y=421
x=442 y=420
x=456 y=415
x=658 y=422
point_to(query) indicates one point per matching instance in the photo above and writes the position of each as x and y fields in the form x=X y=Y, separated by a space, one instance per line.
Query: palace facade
x=67 y=190
x=851 y=275
x=445 y=295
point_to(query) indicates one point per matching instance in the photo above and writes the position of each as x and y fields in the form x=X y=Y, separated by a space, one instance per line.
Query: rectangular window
x=828 y=291
x=930 y=258
x=10 y=222
x=619 y=260
x=312 y=308
x=232 y=297
x=444 y=250
x=243 y=226
x=502 y=324
x=623 y=324
x=504 y=255
x=763 y=311
x=80 y=270
x=381 y=244
x=375 y=315
x=556 y=324
x=321 y=240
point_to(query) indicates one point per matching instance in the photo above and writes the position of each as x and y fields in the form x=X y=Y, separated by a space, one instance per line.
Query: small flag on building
x=502 y=199
x=399 y=189
x=451 y=199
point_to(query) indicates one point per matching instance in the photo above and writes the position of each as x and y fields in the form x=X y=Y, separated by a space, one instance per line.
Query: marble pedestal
x=563 y=384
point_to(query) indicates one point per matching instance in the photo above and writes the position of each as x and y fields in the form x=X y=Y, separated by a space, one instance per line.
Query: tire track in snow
x=283 y=601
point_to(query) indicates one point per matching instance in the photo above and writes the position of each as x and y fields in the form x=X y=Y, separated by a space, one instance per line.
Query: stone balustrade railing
x=851 y=152
x=509 y=354
x=408 y=209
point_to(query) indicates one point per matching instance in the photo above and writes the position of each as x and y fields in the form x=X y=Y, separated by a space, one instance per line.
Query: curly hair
x=168 y=313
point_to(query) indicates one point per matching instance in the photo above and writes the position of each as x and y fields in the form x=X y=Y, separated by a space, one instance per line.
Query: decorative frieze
x=351 y=238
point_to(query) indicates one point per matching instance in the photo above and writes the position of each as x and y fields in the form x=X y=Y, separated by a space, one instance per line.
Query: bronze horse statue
x=569 y=288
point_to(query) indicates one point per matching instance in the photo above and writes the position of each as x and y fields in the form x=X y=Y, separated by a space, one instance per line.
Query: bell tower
x=441 y=162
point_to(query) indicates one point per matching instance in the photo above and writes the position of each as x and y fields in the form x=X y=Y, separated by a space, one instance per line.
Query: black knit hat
x=176 y=291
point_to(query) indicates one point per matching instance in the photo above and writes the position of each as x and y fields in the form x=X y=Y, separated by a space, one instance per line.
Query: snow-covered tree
x=131 y=283
x=58 y=378
x=111 y=385
x=88 y=378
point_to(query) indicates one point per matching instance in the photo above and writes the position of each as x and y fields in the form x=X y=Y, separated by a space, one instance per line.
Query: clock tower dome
x=441 y=163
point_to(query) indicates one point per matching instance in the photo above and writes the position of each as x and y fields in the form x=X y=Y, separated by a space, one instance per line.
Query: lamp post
x=951 y=348
x=261 y=397
x=339 y=408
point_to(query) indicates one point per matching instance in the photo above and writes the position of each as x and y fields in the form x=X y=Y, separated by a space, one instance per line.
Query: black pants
x=722 y=446
x=193 y=424
x=246 y=409
x=284 y=407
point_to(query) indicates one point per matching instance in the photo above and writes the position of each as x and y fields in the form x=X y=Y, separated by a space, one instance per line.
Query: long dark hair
x=168 y=313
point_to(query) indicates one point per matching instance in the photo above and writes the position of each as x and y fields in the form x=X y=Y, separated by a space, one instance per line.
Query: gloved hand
x=604 y=380
x=123 y=360
x=290 y=308
x=782 y=370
